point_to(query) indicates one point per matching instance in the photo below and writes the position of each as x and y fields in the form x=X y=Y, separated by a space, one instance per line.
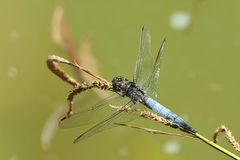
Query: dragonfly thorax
x=124 y=87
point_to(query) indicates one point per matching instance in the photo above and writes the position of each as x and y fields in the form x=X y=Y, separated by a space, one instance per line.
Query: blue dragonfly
x=129 y=97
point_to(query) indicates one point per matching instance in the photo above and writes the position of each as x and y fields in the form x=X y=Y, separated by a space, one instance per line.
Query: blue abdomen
x=168 y=114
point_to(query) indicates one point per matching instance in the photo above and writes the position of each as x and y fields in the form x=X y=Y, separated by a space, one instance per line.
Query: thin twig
x=62 y=36
x=228 y=136
x=52 y=63
x=214 y=145
x=153 y=131
x=155 y=117
x=84 y=87
x=56 y=69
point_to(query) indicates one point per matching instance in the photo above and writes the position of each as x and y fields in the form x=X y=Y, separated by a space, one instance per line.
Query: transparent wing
x=151 y=84
x=120 y=116
x=144 y=62
x=91 y=115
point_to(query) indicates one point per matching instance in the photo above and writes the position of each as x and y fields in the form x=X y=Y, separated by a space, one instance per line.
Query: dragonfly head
x=117 y=82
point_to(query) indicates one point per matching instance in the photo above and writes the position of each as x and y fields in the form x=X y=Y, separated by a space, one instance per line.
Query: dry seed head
x=155 y=117
x=228 y=136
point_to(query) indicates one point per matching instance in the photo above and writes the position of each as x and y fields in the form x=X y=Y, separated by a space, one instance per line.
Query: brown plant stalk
x=228 y=135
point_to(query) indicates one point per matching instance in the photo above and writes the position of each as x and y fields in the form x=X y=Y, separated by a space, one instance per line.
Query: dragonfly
x=130 y=96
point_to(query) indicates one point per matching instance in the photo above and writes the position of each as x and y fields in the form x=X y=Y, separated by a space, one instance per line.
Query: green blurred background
x=199 y=74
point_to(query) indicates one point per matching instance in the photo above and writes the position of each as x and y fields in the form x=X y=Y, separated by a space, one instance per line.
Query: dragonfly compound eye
x=117 y=80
